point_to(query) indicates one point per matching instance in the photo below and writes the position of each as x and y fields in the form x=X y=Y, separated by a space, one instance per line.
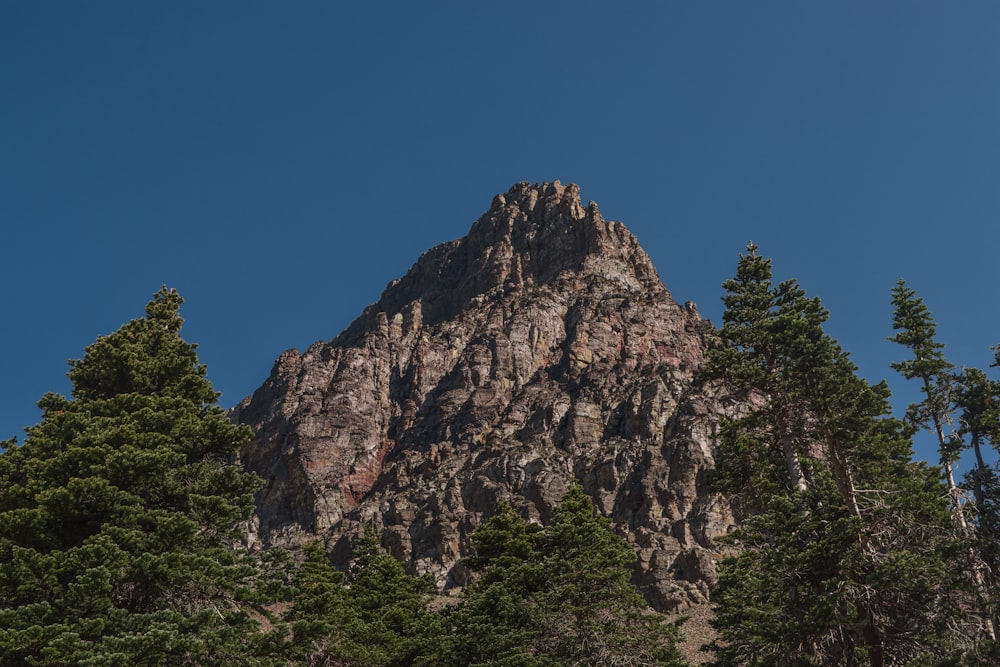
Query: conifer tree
x=324 y=624
x=378 y=619
x=394 y=626
x=121 y=515
x=917 y=332
x=956 y=405
x=590 y=612
x=750 y=357
x=495 y=623
x=844 y=547
x=977 y=399
x=559 y=595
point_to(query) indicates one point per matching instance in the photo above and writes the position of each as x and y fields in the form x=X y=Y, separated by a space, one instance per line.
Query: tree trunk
x=953 y=491
x=795 y=474
x=876 y=650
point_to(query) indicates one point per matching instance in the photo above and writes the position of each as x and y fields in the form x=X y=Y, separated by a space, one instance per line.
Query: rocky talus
x=540 y=349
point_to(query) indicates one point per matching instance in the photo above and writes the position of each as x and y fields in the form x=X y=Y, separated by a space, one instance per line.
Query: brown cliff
x=539 y=349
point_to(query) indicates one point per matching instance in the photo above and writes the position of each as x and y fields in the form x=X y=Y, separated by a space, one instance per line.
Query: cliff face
x=539 y=349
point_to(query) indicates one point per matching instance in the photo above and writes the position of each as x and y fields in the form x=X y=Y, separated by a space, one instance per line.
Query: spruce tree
x=917 y=332
x=559 y=595
x=495 y=623
x=748 y=355
x=844 y=544
x=590 y=612
x=977 y=400
x=957 y=407
x=121 y=515
x=377 y=619
x=394 y=625
x=324 y=624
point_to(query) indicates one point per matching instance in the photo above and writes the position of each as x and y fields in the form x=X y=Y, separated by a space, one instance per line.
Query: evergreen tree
x=496 y=624
x=977 y=399
x=844 y=548
x=956 y=405
x=379 y=619
x=394 y=626
x=917 y=332
x=324 y=624
x=590 y=612
x=121 y=514
x=560 y=595
x=758 y=353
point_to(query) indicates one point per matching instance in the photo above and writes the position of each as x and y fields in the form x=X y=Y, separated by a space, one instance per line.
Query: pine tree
x=324 y=623
x=843 y=552
x=495 y=622
x=956 y=405
x=394 y=625
x=121 y=514
x=917 y=332
x=977 y=399
x=558 y=595
x=378 y=619
x=590 y=612
x=767 y=448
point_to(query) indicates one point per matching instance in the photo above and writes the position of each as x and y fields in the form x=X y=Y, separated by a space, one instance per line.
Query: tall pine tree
x=955 y=405
x=121 y=515
x=324 y=624
x=917 y=332
x=842 y=553
x=394 y=623
x=496 y=622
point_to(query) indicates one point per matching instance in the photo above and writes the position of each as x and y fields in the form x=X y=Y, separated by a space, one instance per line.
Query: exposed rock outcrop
x=539 y=349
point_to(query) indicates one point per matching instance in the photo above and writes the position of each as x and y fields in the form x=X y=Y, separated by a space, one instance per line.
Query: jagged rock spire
x=531 y=235
x=539 y=349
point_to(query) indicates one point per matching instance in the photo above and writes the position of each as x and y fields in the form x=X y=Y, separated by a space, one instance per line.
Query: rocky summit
x=540 y=349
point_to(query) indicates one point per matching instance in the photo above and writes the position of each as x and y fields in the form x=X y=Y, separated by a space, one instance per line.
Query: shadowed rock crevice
x=539 y=349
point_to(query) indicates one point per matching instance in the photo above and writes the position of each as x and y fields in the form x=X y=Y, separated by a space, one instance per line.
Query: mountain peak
x=538 y=351
x=533 y=234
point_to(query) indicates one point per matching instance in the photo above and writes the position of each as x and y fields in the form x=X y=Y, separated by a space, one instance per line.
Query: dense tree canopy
x=846 y=555
x=377 y=619
x=121 y=514
x=555 y=595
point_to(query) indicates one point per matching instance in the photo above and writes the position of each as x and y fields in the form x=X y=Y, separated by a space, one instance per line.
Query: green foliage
x=320 y=613
x=391 y=606
x=844 y=555
x=773 y=349
x=781 y=600
x=496 y=622
x=558 y=595
x=591 y=612
x=977 y=400
x=813 y=584
x=916 y=332
x=379 y=620
x=120 y=515
x=962 y=407
x=808 y=404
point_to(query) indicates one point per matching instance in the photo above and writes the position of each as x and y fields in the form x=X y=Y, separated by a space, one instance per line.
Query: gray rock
x=540 y=349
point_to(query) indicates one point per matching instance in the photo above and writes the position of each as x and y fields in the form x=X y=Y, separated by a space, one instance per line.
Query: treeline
x=123 y=522
x=850 y=553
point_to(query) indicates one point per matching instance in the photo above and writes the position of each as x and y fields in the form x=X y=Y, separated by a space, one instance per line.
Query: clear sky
x=279 y=163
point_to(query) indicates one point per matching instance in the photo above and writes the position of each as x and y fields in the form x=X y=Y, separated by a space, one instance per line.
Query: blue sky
x=279 y=163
